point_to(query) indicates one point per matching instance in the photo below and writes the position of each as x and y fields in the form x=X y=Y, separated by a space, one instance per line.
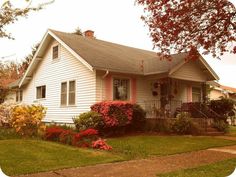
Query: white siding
x=52 y=73
x=190 y=71
x=100 y=87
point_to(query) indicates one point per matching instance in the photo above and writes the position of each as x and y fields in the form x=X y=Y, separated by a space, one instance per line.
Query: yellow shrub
x=27 y=119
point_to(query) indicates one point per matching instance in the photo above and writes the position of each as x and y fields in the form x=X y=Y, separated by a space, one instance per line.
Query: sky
x=116 y=21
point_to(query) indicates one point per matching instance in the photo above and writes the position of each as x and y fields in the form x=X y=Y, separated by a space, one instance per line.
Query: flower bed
x=86 y=138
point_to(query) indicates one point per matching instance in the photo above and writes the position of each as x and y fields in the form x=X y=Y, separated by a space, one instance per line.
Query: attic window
x=55 y=52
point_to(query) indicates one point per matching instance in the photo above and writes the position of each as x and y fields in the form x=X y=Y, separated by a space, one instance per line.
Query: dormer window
x=55 y=52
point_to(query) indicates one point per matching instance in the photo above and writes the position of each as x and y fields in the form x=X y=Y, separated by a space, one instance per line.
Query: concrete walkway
x=146 y=167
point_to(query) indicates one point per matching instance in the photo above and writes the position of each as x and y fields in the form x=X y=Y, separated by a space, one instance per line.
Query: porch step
x=211 y=131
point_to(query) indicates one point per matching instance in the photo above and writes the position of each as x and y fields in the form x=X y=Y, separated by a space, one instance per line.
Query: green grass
x=7 y=133
x=232 y=131
x=31 y=156
x=21 y=156
x=219 y=169
x=135 y=147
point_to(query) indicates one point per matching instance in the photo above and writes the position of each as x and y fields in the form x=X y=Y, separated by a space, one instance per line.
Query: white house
x=70 y=72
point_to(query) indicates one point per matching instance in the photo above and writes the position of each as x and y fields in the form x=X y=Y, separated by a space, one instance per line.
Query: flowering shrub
x=87 y=120
x=114 y=113
x=66 y=137
x=27 y=119
x=84 y=138
x=53 y=133
x=101 y=144
x=5 y=113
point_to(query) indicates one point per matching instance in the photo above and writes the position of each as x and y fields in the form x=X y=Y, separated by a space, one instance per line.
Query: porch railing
x=154 y=108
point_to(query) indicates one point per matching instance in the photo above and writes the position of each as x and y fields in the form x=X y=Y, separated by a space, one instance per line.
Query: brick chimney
x=89 y=33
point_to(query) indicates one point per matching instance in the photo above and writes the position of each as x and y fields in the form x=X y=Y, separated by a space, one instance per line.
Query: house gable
x=47 y=39
x=51 y=74
x=193 y=70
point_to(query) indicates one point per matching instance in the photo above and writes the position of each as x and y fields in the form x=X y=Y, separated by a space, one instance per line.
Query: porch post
x=204 y=92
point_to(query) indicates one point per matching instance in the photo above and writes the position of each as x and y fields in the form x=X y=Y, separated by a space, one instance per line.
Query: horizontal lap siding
x=52 y=73
x=190 y=71
x=144 y=90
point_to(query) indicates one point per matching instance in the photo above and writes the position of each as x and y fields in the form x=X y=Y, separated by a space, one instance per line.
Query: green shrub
x=221 y=125
x=184 y=125
x=223 y=107
x=88 y=120
x=139 y=118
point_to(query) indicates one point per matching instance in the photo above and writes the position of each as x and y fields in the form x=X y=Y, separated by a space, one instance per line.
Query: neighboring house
x=70 y=72
x=217 y=91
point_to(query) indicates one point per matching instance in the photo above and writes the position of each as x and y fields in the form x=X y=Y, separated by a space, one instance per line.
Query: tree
x=78 y=31
x=26 y=62
x=9 y=72
x=9 y=14
x=190 y=25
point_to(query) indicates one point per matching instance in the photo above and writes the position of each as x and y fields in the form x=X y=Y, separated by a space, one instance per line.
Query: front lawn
x=30 y=156
x=219 y=169
x=134 y=147
x=21 y=156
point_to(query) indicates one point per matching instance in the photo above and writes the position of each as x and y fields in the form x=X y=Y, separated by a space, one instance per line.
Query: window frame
x=128 y=89
x=19 y=95
x=58 y=52
x=68 y=92
x=41 y=92
x=72 y=92
x=63 y=93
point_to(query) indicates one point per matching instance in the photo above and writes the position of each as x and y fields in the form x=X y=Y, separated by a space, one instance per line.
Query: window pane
x=21 y=95
x=72 y=93
x=63 y=99
x=43 y=92
x=17 y=98
x=55 y=52
x=39 y=92
x=72 y=86
x=63 y=93
x=121 y=89
x=71 y=98
x=63 y=87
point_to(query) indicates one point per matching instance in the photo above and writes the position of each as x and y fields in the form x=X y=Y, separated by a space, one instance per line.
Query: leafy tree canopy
x=189 y=25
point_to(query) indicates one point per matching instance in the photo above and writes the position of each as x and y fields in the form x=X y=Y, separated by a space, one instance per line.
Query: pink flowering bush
x=85 y=138
x=101 y=144
x=114 y=113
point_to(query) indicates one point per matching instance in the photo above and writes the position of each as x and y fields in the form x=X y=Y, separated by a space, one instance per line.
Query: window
x=68 y=94
x=196 y=94
x=19 y=95
x=72 y=93
x=55 y=52
x=63 y=93
x=41 y=92
x=121 y=89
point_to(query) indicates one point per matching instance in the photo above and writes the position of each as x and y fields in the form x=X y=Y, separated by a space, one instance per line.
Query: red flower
x=101 y=144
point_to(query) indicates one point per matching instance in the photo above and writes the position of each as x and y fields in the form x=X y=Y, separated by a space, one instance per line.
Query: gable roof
x=102 y=55
x=110 y=56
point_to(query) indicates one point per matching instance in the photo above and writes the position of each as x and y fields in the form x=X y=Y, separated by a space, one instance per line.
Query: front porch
x=169 y=96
